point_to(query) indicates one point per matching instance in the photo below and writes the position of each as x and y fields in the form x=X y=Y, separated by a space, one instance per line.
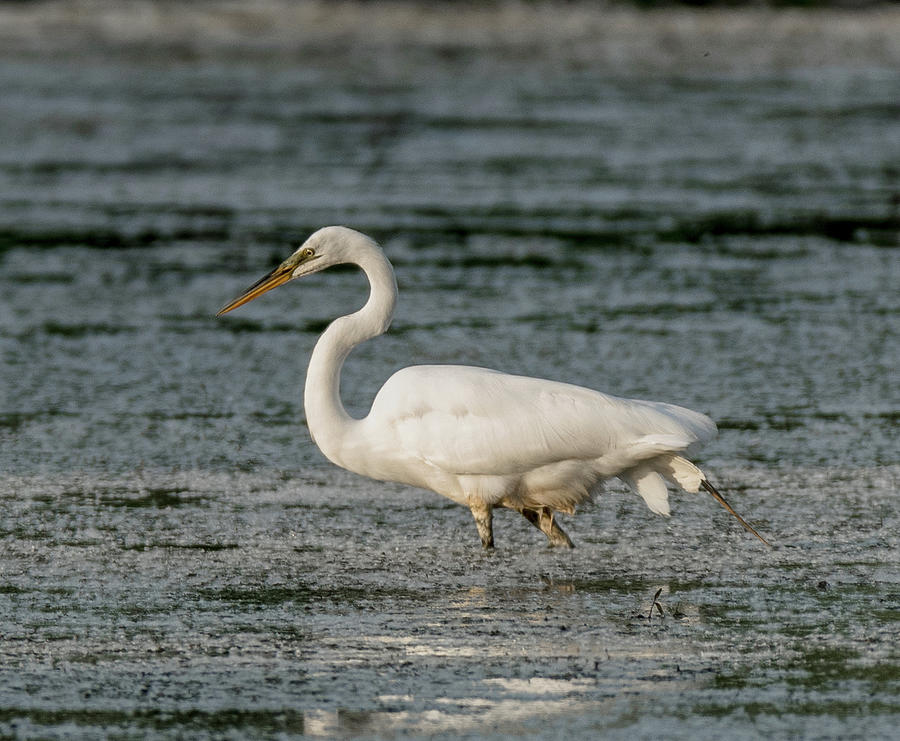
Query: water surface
x=176 y=558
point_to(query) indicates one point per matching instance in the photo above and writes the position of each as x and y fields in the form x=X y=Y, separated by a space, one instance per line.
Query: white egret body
x=484 y=439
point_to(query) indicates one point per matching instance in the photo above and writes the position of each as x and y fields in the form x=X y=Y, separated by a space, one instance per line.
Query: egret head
x=331 y=245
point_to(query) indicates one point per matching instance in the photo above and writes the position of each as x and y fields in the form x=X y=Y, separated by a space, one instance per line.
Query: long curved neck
x=328 y=421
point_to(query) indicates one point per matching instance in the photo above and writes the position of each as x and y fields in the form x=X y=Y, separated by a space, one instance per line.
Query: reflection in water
x=556 y=585
x=499 y=703
x=342 y=722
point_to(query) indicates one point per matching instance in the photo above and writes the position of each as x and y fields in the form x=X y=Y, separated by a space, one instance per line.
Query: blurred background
x=692 y=202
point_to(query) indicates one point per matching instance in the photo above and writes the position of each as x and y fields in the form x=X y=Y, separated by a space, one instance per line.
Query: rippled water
x=176 y=558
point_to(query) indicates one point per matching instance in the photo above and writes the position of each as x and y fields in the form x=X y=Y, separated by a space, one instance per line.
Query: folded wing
x=473 y=421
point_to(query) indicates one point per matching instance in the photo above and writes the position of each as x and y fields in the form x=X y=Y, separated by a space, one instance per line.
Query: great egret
x=484 y=439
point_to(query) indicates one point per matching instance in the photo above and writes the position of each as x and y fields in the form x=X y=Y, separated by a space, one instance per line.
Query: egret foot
x=484 y=516
x=542 y=519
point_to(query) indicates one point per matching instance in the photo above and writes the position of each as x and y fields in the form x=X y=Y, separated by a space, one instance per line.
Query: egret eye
x=307 y=252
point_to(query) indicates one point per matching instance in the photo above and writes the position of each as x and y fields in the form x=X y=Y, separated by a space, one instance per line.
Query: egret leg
x=543 y=520
x=484 y=521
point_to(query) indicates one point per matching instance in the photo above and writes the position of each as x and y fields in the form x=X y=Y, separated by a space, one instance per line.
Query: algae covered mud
x=654 y=205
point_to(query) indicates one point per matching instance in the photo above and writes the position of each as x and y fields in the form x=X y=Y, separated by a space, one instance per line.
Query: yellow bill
x=282 y=274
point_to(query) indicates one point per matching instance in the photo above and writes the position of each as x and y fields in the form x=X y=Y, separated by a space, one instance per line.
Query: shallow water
x=176 y=558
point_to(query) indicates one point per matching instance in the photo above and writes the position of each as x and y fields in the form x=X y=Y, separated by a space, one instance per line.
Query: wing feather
x=472 y=421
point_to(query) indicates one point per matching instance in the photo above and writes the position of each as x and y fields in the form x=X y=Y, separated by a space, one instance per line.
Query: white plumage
x=484 y=439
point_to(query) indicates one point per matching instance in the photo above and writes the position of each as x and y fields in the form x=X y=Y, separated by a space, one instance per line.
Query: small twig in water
x=656 y=604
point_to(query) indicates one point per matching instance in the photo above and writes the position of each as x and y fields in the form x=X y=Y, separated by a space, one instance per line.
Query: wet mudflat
x=176 y=558
x=321 y=604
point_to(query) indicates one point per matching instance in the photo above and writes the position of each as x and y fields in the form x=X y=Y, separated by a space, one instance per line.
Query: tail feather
x=649 y=484
x=681 y=472
x=648 y=481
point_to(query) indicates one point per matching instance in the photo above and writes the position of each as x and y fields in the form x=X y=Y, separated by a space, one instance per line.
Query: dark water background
x=177 y=559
